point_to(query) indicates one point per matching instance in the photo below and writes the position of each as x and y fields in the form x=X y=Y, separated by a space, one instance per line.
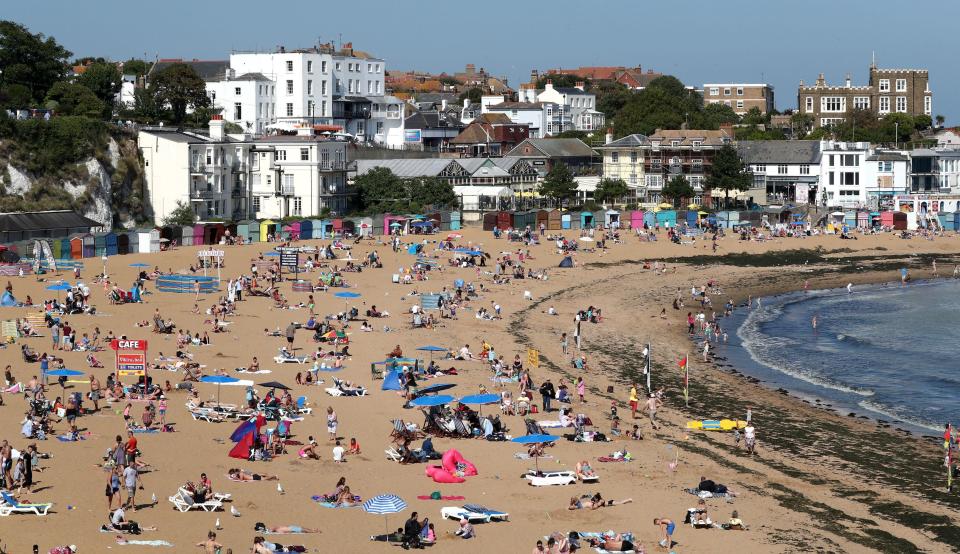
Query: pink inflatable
x=449 y=472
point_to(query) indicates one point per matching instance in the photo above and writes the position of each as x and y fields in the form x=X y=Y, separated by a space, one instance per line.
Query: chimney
x=443 y=104
x=534 y=76
x=466 y=103
x=821 y=82
x=216 y=127
x=609 y=137
x=579 y=85
x=283 y=49
x=848 y=81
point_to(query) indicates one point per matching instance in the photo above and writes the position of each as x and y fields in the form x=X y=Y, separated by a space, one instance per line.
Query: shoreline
x=841 y=441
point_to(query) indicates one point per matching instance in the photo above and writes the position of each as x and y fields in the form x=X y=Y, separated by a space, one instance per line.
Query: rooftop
x=780 y=151
x=554 y=148
x=38 y=221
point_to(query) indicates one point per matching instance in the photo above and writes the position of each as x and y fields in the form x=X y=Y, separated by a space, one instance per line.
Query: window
x=928 y=105
x=310 y=107
x=901 y=104
x=297 y=205
x=339 y=85
x=615 y=157
x=740 y=103
x=323 y=88
x=674 y=143
x=885 y=167
x=379 y=87
x=369 y=68
x=289 y=86
x=369 y=87
x=831 y=160
x=309 y=86
x=378 y=68
x=289 y=65
x=782 y=169
x=280 y=155
x=884 y=104
x=861 y=102
x=726 y=92
x=805 y=169
x=256 y=203
x=760 y=168
x=289 y=109
x=633 y=178
x=304 y=154
x=697 y=164
x=237 y=111
x=831 y=178
x=849 y=178
x=714 y=91
x=901 y=85
x=739 y=91
x=323 y=66
x=236 y=91
x=337 y=66
x=850 y=160
x=349 y=85
x=809 y=107
x=884 y=85
x=633 y=157
x=833 y=104
x=696 y=144
x=310 y=66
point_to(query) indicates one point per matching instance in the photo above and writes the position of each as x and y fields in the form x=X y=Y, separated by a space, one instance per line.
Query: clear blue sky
x=699 y=41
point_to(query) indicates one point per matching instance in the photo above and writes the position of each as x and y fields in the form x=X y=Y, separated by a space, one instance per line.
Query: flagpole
x=686 y=381
x=649 y=368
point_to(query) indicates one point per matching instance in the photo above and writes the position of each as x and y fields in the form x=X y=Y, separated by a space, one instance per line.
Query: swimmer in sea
x=849 y=288
x=814 y=322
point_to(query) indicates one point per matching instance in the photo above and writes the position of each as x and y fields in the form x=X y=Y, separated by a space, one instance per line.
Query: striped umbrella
x=385 y=504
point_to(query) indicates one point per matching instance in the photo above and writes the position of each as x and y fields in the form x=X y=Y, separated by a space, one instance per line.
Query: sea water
x=884 y=351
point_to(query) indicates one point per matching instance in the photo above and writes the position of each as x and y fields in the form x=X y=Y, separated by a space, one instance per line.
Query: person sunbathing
x=243 y=475
x=596 y=502
x=611 y=544
x=345 y=498
x=584 y=471
x=284 y=529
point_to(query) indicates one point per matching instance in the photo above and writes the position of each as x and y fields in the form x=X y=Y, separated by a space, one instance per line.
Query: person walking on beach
x=634 y=401
x=546 y=393
x=563 y=343
x=934 y=267
x=196 y=288
x=291 y=333
x=652 y=404
x=750 y=437
x=581 y=388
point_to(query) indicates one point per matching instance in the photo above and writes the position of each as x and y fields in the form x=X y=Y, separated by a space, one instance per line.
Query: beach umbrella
x=384 y=504
x=63 y=373
x=585 y=239
x=431 y=349
x=534 y=439
x=347 y=295
x=427 y=401
x=395 y=224
x=434 y=388
x=274 y=385
x=452 y=236
x=480 y=399
x=59 y=287
x=219 y=380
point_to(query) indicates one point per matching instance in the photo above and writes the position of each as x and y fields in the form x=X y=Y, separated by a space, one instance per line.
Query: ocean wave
x=893 y=413
x=762 y=349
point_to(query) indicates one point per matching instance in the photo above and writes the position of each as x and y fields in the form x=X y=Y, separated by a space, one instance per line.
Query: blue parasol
x=60 y=286
x=139 y=264
x=427 y=401
x=64 y=373
x=384 y=504
x=219 y=380
x=480 y=399
x=347 y=294
x=534 y=439
x=431 y=349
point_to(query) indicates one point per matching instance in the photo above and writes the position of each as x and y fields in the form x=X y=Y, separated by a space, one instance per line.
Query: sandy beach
x=821 y=480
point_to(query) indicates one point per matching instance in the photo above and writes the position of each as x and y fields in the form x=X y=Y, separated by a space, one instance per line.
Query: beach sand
x=822 y=481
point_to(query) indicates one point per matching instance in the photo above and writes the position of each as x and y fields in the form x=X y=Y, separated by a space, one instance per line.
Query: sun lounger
x=550 y=478
x=10 y=505
x=392 y=454
x=473 y=513
x=184 y=502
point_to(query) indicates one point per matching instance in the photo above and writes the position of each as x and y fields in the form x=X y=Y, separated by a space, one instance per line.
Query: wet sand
x=821 y=481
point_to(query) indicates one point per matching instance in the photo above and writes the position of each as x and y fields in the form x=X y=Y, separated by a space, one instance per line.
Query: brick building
x=740 y=96
x=887 y=91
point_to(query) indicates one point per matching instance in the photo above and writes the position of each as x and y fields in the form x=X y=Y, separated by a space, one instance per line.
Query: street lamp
x=104 y=260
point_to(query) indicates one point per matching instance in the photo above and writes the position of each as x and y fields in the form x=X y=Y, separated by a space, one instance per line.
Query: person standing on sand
x=934 y=266
x=563 y=343
x=667 y=526
x=652 y=404
x=750 y=438
x=634 y=401
x=581 y=388
x=196 y=288
x=291 y=333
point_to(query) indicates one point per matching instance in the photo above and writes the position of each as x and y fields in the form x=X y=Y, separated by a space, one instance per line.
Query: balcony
x=286 y=190
x=332 y=166
x=198 y=168
x=237 y=192
x=393 y=115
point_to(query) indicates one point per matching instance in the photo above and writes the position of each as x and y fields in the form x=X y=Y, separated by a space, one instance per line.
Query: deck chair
x=184 y=502
x=302 y=406
x=10 y=505
x=392 y=454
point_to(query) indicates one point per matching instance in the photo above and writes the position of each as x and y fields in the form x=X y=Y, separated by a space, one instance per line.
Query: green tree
x=754 y=117
x=676 y=189
x=717 y=114
x=430 y=192
x=474 y=95
x=728 y=173
x=380 y=190
x=181 y=215
x=104 y=80
x=30 y=60
x=74 y=99
x=562 y=81
x=611 y=97
x=145 y=108
x=940 y=120
x=559 y=184
x=178 y=87
x=136 y=67
x=610 y=190
x=802 y=123
x=664 y=104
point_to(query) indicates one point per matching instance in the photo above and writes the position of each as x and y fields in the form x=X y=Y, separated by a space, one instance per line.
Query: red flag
x=683 y=362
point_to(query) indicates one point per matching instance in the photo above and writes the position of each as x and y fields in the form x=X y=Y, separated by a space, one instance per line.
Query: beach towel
x=124 y=542
x=68 y=438
x=706 y=494
x=151 y=430
x=611 y=459
x=429 y=497
x=332 y=505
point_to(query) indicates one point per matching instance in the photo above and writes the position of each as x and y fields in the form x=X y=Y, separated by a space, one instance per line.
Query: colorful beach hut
x=667 y=218
x=348 y=227
x=198 y=231
x=65 y=249
x=364 y=226
x=894 y=220
x=611 y=218
x=315 y=226
x=89 y=246
x=566 y=221
x=650 y=219
x=123 y=243
x=337 y=227
x=586 y=220
x=554 y=220
x=186 y=235
x=99 y=244
x=267 y=228
x=112 y=244
x=543 y=218
x=213 y=233
x=253 y=231
x=306 y=229
x=863 y=219
x=692 y=218
x=56 y=246
x=393 y=222
x=598 y=218
x=636 y=219
x=455 y=221
x=243 y=230
x=504 y=220
x=76 y=247
x=489 y=221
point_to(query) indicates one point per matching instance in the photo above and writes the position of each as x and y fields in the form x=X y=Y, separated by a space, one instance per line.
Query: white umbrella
x=585 y=239
x=385 y=504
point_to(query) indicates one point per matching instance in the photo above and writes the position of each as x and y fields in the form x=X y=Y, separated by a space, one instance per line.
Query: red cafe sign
x=124 y=344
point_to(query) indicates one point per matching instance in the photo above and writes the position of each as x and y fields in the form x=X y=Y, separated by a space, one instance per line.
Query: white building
x=128 y=86
x=206 y=172
x=233 y=177
x=532 y=114
x=854 y=175
x=247 y=100
x=573 y=108
x=319 y=86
